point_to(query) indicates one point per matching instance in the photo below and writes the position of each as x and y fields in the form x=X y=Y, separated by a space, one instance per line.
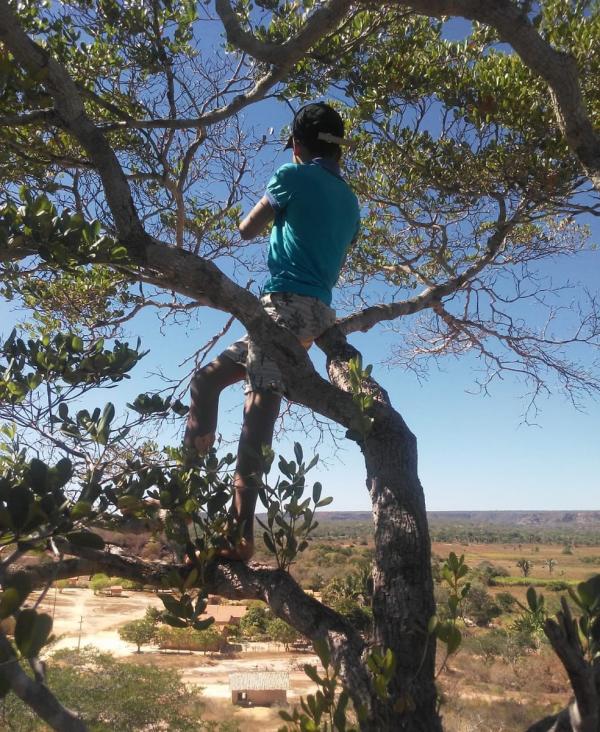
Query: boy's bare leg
x=261 y=409
x=206 y=387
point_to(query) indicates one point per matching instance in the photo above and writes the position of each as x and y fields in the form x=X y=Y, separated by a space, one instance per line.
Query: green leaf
x=454 y=639
x=589 y=593
x=18 y=502
x=176 y=607
x=339 y=716
x=269 y=543
x=203 y=624
x=76 y=344
x=62 y=473
x=191 y=579
x=129 y=503
x=31 y=632
x=298 y=452
x=10 y=600
x=38 y=475
x=324 y=502
x=80 y=510
x=312 y=463
x=316 y=492
x=311 y=672
x=532 y=599
x=174 y=621
x=322 y=650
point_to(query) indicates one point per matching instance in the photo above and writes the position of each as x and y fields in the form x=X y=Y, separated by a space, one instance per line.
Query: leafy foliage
x=327 y=709
x=587 y=599
x=64 y=239
x=453 y=573
x=290 y=519
x=139 y=632
x=113 y=695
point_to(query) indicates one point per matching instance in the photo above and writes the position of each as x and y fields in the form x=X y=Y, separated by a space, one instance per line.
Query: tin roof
x=259 y=681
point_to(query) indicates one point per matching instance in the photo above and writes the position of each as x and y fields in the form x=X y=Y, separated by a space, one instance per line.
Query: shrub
x=357 y=615
x=487 y=572
x=558 y=586
x=128 y=584
x=111 y=696
x=480 y=607
x=491 y=645
x=590 y=560
x=188 y=639
x=100 y=582
x=232 y=631
x=506 y=601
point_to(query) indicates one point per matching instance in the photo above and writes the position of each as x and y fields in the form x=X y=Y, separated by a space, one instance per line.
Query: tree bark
x=403 y=599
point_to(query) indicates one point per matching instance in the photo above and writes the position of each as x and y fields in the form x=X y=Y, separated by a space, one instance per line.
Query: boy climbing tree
x=315 y=217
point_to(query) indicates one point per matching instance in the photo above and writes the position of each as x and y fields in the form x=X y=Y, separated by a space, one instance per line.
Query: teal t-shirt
x=316 y=218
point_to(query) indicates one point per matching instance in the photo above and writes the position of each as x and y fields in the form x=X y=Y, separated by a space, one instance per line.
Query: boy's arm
x=262 y=214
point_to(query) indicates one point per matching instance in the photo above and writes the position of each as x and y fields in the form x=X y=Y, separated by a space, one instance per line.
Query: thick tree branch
x=322 y=22
x=69 y=108
x=234 y=580
x=36 y=694
x=29 y=118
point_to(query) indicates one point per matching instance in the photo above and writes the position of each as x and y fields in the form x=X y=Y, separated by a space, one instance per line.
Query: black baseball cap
x=317 y=126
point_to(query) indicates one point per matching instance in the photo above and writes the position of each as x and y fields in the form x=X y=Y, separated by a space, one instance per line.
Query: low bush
x=480 y=606
x=100 y=582
x=188 y=639
x=558 y=586
x=112 y=696
x=506 y=602
x=486 y=572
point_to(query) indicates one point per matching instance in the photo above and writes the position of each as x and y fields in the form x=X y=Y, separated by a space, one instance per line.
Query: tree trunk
x=403 y=599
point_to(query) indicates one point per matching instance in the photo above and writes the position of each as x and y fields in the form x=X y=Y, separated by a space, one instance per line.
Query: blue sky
x=474 y=451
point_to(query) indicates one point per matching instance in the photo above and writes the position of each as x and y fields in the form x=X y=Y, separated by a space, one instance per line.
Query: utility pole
x=79 y=639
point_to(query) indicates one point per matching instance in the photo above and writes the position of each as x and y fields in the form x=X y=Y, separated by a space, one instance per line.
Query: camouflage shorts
x=306 y=317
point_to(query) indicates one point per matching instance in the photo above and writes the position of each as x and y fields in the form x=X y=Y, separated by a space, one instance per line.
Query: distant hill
x=589 y=520
x=536 y=519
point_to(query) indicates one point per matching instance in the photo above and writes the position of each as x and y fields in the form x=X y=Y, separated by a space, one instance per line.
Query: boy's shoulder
x=288 y=169
x=299 y=172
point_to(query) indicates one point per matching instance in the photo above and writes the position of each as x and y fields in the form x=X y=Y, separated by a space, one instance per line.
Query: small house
x=259 y=688
x=224 y=615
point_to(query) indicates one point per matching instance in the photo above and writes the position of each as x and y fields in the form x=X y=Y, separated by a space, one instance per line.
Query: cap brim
x=290 y=143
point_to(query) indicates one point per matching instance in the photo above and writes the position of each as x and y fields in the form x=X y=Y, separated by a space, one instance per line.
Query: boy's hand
x=262 y=214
